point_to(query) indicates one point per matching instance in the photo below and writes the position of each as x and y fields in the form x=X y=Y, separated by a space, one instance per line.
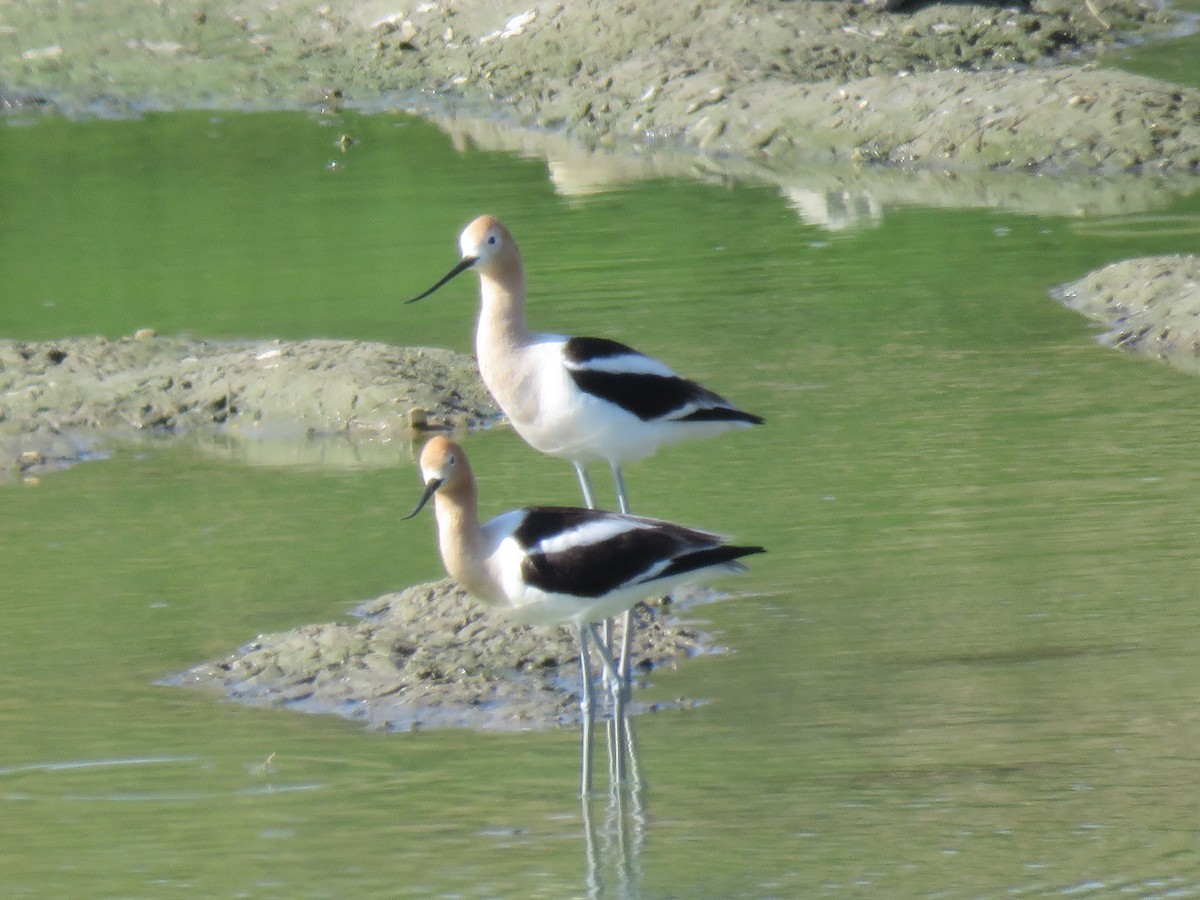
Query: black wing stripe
x=594 y=570
x=702 y=559
x=580 y=350
x=720 y=414
x=646 y=396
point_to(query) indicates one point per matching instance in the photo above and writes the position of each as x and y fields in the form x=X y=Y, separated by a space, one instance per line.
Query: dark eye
x=492 y=239
x=451 y=459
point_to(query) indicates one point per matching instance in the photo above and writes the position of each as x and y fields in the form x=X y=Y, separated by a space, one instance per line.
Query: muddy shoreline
x=64 y=400
x=771 y=91
x=846 y=106
x=1149 y=306
x=431 y=656
x=939 y=85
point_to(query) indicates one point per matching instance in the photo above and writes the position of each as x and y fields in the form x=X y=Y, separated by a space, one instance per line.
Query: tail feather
x=725 y=555
x=721 y=414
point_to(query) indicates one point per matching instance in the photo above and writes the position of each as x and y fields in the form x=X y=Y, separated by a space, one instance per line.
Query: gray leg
x=626 y=641
x=587 y=710
x=607 y=635
x=627 y=619
x=589 y=500
x=607 y=659
x=622 y=498
x=585 y=484
x=620 y=720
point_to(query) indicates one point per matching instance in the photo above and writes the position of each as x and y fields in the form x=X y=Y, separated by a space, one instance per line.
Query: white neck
x=460 y=540
x=502 y=308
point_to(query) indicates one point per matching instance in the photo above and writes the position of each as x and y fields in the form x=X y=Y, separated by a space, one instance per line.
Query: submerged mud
x=433 y=657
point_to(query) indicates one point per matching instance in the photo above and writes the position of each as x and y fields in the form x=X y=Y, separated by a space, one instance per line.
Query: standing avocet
x=557 y=565
x=584 y=399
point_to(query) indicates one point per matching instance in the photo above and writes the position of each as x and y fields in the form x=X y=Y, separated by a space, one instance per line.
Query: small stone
x=54 y=51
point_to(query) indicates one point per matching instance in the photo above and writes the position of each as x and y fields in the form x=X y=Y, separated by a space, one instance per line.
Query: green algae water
x=965 y=666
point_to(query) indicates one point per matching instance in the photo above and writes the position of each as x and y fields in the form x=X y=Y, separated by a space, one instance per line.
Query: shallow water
x=965 y=666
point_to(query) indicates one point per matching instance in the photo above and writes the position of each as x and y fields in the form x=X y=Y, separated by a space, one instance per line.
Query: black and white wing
x=643 y=386
x=592 y=554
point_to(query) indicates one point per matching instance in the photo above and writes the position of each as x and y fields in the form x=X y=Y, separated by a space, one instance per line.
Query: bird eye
x=492 y=239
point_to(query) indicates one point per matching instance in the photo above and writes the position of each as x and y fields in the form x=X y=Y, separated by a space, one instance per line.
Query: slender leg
x=587 y=710
x=627 y=619
x=622 y=498
x=620 y=715
x=620 y=690
x=585 y=484
x=589 y=500
x=624 y=663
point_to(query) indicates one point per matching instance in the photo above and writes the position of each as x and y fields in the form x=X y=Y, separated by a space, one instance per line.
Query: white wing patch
x=596 y=531
x=506 y=561
x=625 y=364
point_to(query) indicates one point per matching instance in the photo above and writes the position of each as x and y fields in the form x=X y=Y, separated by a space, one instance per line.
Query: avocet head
x=444 y=467
x=485 y=244
x=487 y=241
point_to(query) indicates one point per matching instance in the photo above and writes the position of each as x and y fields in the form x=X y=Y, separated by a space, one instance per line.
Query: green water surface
x=967 y=665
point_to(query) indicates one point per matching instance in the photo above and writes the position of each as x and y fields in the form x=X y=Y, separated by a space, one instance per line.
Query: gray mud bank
x=767 y=90
x=783 y=83
x=433 y=657
x=62 y=400
x=1149 y=306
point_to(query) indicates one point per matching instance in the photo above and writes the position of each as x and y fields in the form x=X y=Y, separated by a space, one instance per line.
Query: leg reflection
x=613 y=853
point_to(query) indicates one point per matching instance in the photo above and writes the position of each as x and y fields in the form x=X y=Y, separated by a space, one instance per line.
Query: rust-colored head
x=487 y=247
x=444 y=469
